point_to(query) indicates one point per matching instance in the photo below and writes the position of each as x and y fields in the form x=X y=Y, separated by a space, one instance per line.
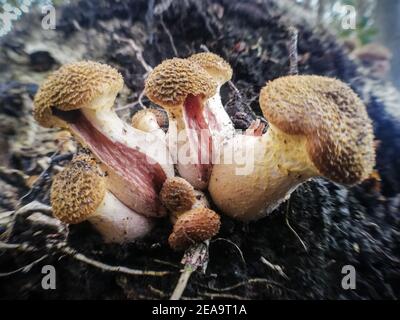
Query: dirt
x=334 y=226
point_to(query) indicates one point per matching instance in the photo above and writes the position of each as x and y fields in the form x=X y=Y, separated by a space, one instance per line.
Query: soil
x=358 y=226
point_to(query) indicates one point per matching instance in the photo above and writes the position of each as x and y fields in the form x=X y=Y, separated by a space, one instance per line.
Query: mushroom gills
x=117 y=223
x=135 y=178
x=199 y=136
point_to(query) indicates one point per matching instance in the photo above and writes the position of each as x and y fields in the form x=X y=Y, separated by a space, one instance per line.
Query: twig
x=137 y=49
x=167 y=263
x=293 y=53
x=162 y=6
x=25 y=211
x=54 y=159
x=274 y=267
x=234 y=244
x=24 y=269
x=43 y=220
x=131 y=105
x=195 y=257
x=171 y=39
x=290 y=227
x=223 y=296
x=61 y=246
x=159 y=292
x=252 y=281
x=23 y=247
x=182 y=282
x=105 y=267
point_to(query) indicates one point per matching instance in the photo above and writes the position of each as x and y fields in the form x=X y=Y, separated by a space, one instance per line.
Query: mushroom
x=317 y=127
x=218 y=119
x=80 y=97
x=193 y=221
x=79 y=193
x=188 y=91
x=194 y=226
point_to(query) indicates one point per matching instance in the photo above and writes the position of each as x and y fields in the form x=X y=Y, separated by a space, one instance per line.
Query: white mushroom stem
x=137 y=162
x=117 y=223
x=192 y=142
x=264 y=172
x=224 y=129
x=184 y=146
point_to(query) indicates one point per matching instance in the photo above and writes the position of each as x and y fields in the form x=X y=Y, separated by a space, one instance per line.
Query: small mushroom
x=149 y=121
x=188 y=89
x=193 y=220
x=181 y=88
x=317 y=127
x=215 y=113
x=79 y=193
x=80 y=97
x=179 y=196
x=194 y=226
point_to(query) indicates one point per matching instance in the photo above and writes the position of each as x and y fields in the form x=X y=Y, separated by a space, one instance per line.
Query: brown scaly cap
x=332 y=117
x=78 y=190
x=72 y=87
x=177 y=194
x=173 y=80
x=194 y=226
x=216 y=66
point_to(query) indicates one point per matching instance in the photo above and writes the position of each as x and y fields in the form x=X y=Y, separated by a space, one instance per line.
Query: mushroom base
x=276 y=165
x=117 y=223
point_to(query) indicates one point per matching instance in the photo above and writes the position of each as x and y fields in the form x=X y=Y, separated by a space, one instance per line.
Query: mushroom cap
x=173 y=80
x=333 y=119
x=177 y=194
x=78 y=190
x=74 y=86
x=216 y=66
x=194 y=226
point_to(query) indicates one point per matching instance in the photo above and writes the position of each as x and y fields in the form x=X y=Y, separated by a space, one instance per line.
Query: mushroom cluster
x=80 y=97
x=318 y=127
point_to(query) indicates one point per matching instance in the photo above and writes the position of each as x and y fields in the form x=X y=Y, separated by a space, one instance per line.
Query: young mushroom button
x=193 y=221
x=317 y=127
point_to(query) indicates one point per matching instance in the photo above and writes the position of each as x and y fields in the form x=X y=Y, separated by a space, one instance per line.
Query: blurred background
x=377 y=31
